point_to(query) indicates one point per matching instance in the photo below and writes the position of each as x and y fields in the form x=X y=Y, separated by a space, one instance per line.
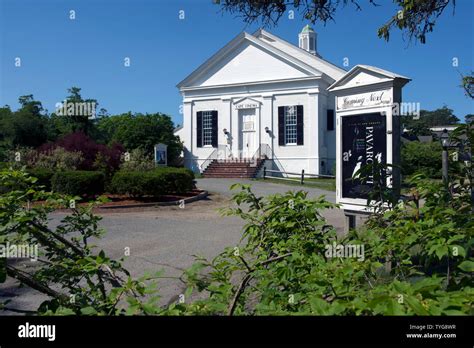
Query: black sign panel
x=363 y=140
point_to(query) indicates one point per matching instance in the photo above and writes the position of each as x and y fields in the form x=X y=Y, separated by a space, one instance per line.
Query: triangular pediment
x=247 y=59
x=246 y=100
x=246 y=103
x=363 y=75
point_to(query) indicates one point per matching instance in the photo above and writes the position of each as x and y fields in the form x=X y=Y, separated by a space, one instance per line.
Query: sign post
x=161 y=154
x=367 y=130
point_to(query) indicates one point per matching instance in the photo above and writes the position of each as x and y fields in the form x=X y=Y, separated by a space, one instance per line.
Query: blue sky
x=88 y=52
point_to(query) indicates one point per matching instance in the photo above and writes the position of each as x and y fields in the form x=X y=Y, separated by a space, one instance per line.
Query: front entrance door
x=247 y=134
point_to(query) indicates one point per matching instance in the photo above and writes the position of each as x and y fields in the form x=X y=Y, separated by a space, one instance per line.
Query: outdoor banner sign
x=363 y=141
x=367 y=131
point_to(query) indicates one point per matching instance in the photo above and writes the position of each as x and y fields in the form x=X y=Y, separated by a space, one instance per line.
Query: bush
x=59 y=159
x=78 y=182
x=421 y=158
x=95 y=156
x=20 y=156
x=290 y=261
x=155 y=183
x=139 y=161
x=43 y=175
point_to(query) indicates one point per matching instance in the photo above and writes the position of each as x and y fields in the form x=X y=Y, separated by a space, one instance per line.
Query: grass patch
x=321 y=183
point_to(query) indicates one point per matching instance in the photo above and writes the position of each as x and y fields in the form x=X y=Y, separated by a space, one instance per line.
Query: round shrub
x=157 y=182
x=78 y=182
x=139 y=161
x=59 y=159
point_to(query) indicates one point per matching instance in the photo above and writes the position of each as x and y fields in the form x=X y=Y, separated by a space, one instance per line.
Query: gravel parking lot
x=168 y=237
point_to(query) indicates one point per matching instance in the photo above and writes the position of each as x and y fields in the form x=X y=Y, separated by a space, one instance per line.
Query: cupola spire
x=307 y=39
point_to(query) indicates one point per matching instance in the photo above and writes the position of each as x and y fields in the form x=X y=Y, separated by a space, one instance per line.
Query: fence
x=301 y=175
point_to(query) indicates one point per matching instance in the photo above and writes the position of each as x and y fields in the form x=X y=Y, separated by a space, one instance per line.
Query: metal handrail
x=213 y=156
x=262 y=152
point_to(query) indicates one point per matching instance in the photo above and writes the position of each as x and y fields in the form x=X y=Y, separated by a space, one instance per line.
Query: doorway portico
x=247 y=116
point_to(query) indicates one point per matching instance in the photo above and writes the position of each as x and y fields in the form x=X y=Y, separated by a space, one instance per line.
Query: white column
x=226 y=120
x=312 y=133
x=188 y=125
x=235 y=129
x=323 y=135
x=266 y=112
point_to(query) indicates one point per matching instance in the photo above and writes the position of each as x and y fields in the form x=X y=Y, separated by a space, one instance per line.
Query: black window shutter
x=281 y=125
x=199 y=128
x=330 y=120
x=299 y=125
x=214 y=129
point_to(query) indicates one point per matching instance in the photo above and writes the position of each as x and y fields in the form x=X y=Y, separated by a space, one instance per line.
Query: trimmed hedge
x=157 y=182
x=78 y=182
x=43 y=175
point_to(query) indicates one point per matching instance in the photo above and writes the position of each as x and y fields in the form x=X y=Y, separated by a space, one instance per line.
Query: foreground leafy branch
x=289 y=261
x=76 y=279
x=283 y=267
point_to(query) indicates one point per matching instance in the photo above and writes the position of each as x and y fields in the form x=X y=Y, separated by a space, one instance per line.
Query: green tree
x=440 y=117
x=139 y=131
x=414 y=17
x=423 y=158
x=25 y=127
x=468 y=85
x=77 y=115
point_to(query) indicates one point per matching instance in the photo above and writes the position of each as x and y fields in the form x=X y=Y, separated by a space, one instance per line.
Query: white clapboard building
x=261 y=101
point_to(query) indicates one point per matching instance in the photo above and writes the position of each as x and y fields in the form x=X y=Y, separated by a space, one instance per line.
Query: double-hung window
x=290 y=125
x=207 y=128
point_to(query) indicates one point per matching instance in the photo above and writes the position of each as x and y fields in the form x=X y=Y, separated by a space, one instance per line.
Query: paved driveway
x=221 y=186
x=168 y=237
x=260 y=188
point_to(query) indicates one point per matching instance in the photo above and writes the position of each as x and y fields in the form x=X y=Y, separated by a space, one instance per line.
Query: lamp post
x=444 y=138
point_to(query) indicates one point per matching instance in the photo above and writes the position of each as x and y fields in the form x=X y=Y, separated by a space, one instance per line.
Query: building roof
x=382 y=75
x=307 y=28
x=300 y=53
x=312 y=64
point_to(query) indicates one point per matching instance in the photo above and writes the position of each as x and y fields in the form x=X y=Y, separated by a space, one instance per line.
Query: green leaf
x=88 y=311
x=459 y=250
x=319 y=306
x=441 y=251
x=416 y=305
x=467 y=266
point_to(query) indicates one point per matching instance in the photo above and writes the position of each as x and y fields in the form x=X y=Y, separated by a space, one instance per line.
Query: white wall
x=290 y=158
x=255 y=72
